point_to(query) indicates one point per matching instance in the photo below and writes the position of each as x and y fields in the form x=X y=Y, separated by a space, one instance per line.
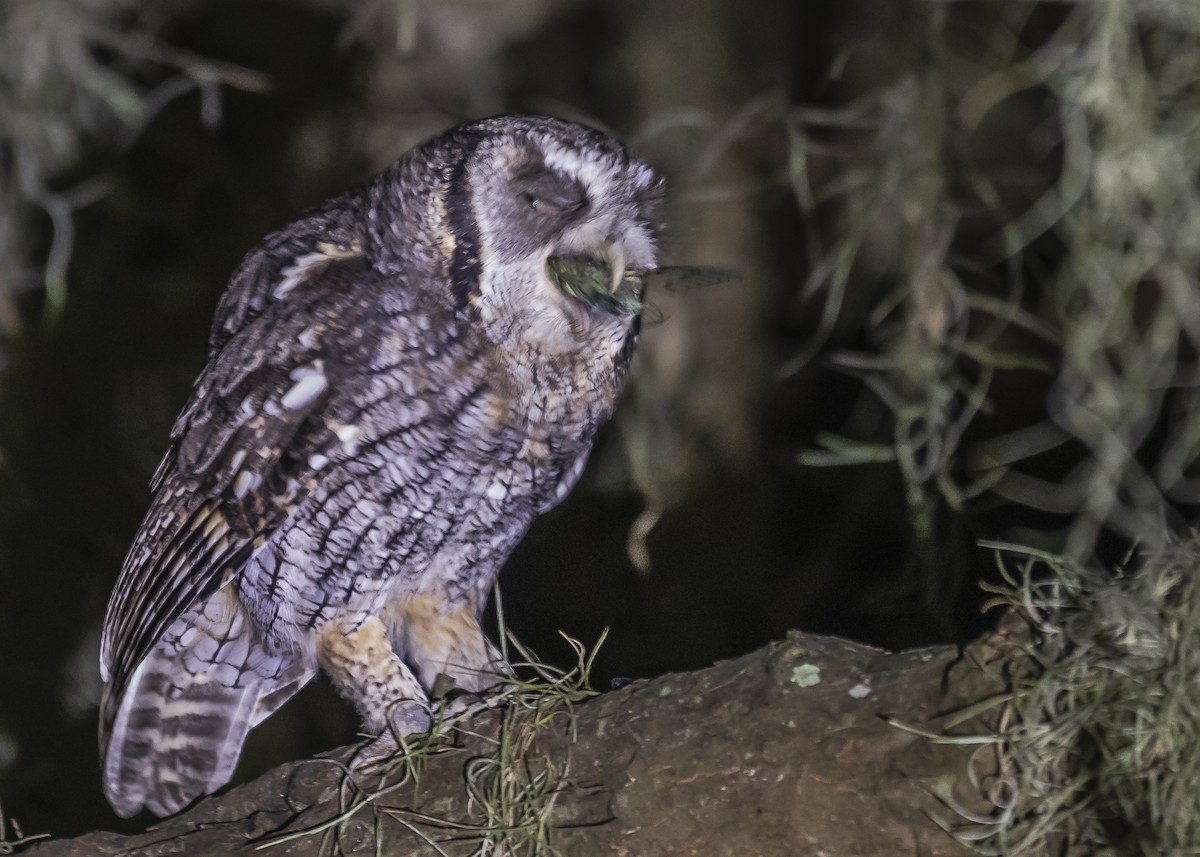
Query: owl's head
x=540 y=220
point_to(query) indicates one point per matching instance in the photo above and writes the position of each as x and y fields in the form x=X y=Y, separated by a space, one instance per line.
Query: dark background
x=750 y=542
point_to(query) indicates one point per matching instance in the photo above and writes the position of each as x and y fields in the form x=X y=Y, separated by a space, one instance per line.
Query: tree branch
x=782 y=751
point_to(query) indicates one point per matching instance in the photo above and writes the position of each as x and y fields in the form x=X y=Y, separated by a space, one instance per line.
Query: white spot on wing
x=310 y=383
x=348 y=435
x=295 y=272
x=245 y=483
x=308 y=338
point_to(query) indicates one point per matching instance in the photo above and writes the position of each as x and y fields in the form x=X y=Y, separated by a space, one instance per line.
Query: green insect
x=592 y=281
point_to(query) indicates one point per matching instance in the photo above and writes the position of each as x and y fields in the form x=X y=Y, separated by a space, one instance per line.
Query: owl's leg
x=442 y=639
x=367 y=671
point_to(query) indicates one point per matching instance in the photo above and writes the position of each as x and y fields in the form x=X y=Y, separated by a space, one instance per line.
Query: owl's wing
x=566 y=482
x=246 y=451
x=282 y=260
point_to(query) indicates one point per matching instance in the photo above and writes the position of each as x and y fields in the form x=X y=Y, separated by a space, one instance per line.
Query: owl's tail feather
x=171 y=744
x=185 y=712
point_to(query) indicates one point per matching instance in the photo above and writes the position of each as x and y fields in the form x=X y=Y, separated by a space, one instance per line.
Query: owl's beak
x=616 y=264
x=597 y=280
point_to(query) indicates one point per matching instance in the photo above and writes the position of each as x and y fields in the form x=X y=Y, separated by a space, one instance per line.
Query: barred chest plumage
x=435 y=482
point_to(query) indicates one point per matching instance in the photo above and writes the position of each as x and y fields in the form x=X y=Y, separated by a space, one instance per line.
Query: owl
x=397 y=384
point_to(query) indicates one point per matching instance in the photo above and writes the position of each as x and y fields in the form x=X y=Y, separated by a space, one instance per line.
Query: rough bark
x=785 y=751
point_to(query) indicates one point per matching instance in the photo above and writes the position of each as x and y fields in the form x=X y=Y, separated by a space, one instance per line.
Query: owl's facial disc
x=566 y=226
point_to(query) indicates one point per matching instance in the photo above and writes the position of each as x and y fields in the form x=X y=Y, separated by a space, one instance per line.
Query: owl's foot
x=367 y=671
x=458 y=702
x=407 y=718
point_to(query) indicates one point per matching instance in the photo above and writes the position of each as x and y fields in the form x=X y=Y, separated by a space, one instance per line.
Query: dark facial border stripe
x=465 y=265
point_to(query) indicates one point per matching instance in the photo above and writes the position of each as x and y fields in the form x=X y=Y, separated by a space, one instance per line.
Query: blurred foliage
x=78 y=77
x=966 y=232
x=1024 y=198
x=1096 y=753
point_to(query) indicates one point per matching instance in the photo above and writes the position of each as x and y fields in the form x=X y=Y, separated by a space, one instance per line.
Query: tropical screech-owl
x=397 y=384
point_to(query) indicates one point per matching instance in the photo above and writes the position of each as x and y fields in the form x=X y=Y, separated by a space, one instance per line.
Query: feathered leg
x=366 y=670
x=442 y=640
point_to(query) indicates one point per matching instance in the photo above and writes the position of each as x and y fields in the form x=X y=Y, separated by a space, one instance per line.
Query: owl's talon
x=406 y=718
x=374 y=753
x=461 y=702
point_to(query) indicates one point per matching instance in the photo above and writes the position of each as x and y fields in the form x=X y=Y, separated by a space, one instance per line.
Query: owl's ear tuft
x=651 y=200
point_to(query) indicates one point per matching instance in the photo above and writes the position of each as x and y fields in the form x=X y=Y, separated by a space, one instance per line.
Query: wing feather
x=241 y=456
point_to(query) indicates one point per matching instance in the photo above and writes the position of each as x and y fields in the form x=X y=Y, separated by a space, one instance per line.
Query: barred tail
x=171 y=744
x=183 y=716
